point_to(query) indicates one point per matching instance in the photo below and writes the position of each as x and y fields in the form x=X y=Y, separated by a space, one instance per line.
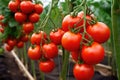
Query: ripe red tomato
x=93 y=54
x=24 y=38
x=83 y=71
x=1 y=23
x=38 y=38
x=20 y=17
x=11 y=42
x=28 y=27
x=71 y=22
x=71 y=41
x=47 y=66
x=13 y=6
x=100 y=32
x=34 y=53
x=34 y=17
x=75 y=55
x=1 y=17
x=56 y=36
x=26 y=7
x=38 y=8
x=50 y=50
x=8 y=47
x=20 y=44
x=1 y=30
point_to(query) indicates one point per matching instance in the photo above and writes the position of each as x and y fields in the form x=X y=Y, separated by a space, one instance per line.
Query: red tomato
x=1 y=23
x=34 y=17
x=8 y=47
x=71 y=41
x=11 y=42
x=28 y=27
x=24 y=38
x=38 y=8
x=13 y=6
x=83 y=71
x=93 y=54
x=1 y=17
x=26 y=7
x=38 y=38
x=71 y=22
x=56 y=36
x=47 y=66
x=2 y=30
x=20 y=17
x=100 y=32
x=34 y=53
x=50 y=50
x=75 y=55
x=20 y=44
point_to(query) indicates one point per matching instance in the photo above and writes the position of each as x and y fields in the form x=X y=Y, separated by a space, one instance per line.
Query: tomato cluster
x=26 y=14
x=83 y=38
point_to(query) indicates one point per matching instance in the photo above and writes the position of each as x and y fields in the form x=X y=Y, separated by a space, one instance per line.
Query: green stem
x=64 y=66
x=116 y=33
x=42 y=75
x=33 y=69
x=45 y=20
x=25 y=56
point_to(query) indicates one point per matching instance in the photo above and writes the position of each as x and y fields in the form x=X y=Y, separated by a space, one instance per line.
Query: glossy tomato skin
x=56 y=36
x=75 y=55
x=28 y=27
x=93 y=54
x=70 y=22
x=24 y=38
x=38 y=8
x=13 y=6
x=26 y=7
x=20 y=44
x=2 y=30
x=8 y=47
x=83 y=72
x=34 y=53
x=11 y=42
x=100 y=32
x=20 y=17
x=50 y=50
x=34 y=17
x=38 y=38
x=71 y=41
x=47 y=66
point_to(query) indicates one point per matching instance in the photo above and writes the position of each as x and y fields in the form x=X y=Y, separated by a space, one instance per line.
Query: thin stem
x=64 y=66
x=25 y=56
x=45 y=20
x=33 y=69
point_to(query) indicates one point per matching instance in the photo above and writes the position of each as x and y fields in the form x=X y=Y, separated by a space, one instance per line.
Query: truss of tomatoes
x=83 y=45
x=24 y=14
